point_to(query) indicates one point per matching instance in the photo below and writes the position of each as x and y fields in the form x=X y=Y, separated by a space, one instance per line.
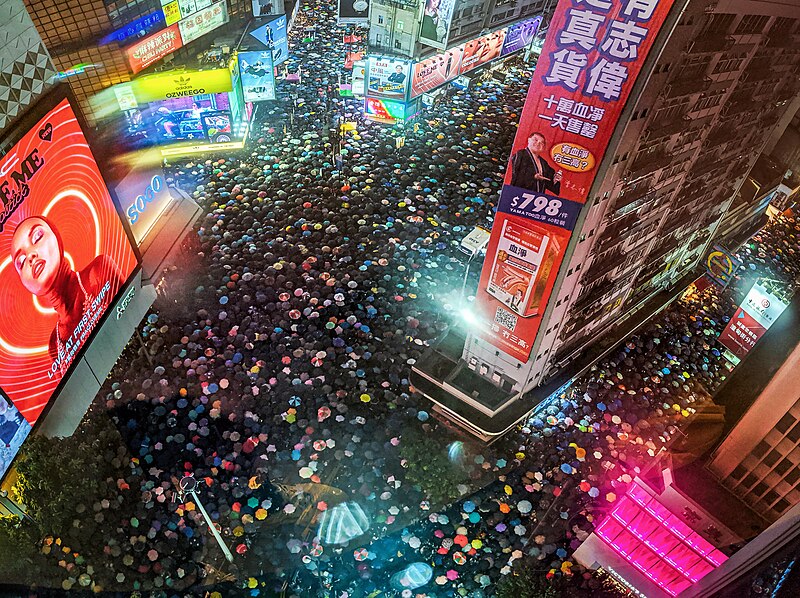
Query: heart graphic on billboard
x=46 y=132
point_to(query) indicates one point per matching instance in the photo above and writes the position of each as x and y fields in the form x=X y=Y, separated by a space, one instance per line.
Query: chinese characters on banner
x=592 y=55
x=752 y=319
x=154 y=48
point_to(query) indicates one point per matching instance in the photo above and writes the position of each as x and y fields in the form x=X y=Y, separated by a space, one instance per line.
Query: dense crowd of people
x=274 y=369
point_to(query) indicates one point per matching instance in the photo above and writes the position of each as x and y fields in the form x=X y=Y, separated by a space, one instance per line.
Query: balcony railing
x=718 y=42
x=649 y=162
x=683 y=87
x=606 y=263
x=667 y=128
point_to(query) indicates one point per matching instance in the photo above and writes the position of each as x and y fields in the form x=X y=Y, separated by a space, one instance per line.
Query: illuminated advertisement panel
x=752 y=319
x=481 y=50
x=145 y=24
x=358 y=82
x=436 y=18
x=353 y=11
x=591 y=58
x=178 y=84
x=388 y=78
x=436 y=71
x=258 y=76
x=720 y=265
x=273 y=36
x=203 y=21
x=519 y=35
x=152 y=49
x=143 y=195
x=385 y=109
x=64 y=257
x=265 y=8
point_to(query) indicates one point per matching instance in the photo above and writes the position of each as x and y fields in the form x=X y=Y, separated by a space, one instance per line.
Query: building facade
x=394 y=25
x=76 y=32
x=759 y=460
x=26 y=70
x=718 y=81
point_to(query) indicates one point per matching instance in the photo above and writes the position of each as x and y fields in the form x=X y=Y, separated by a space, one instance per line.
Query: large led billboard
x=591 y=58
x=64 y=254
x=258 y=76
x=353 y=11
x=388 y=78
x=437 y=16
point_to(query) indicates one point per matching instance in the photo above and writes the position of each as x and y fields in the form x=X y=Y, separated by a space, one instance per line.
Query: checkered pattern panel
x=26 y=70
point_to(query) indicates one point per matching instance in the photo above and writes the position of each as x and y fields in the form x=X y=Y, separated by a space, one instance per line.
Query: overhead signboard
x=178 y=84
x=265 y=8
x=203 y=21
x=145 y=24
x=64 y=256
x=519 y=35
x=592 y=55
x=152 y=49
x=388 y=110
x=721 y=265
x=388 y=78
x=752 y=319
x=258 y=76
x=353 y=11
x=437 y=16
x=482 y=50
x=172 y=12
x=357 y=84
x=436 y=71
x=143 y=195
x=273 y=35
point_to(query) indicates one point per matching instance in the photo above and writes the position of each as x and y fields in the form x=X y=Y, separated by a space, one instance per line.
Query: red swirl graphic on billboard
x=64 y=257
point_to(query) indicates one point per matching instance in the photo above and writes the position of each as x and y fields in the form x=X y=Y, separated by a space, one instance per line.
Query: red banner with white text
x=591 y=57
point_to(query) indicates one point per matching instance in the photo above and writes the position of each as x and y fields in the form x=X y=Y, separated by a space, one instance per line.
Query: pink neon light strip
x=674 y=555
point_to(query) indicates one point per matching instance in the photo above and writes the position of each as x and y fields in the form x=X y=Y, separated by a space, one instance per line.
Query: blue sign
x=539 y=206
x=273 y=36
x=258 y=76
x=146 y=24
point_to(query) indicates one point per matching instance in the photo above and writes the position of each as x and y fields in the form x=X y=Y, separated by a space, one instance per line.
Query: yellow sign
x=199 y=149
x=572 y=156
x=172 y=12
x=179 y=84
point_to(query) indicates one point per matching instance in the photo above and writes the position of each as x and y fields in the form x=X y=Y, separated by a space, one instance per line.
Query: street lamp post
x=188 y=485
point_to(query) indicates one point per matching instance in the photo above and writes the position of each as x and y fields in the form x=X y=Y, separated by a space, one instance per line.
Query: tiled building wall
x=26 y=70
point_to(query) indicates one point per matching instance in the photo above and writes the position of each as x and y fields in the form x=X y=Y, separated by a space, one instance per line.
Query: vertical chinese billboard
x=592 y=55
x=752 y=319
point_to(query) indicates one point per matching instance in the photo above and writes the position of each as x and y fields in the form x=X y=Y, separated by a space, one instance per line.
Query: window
x=761 y=449
x=782 y=467
x=792 y=476
x=752 y=24
x=398 y=45
x=794 y=433
x=785 y=423
x=759 y=489
x=770 y=497
x=749 y=481
x=717 y=23
x=738 y=472
x=781 y=505
x=380 y=19
x=772 y=458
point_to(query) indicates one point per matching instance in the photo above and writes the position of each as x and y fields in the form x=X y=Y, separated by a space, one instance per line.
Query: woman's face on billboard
x=36 y=255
